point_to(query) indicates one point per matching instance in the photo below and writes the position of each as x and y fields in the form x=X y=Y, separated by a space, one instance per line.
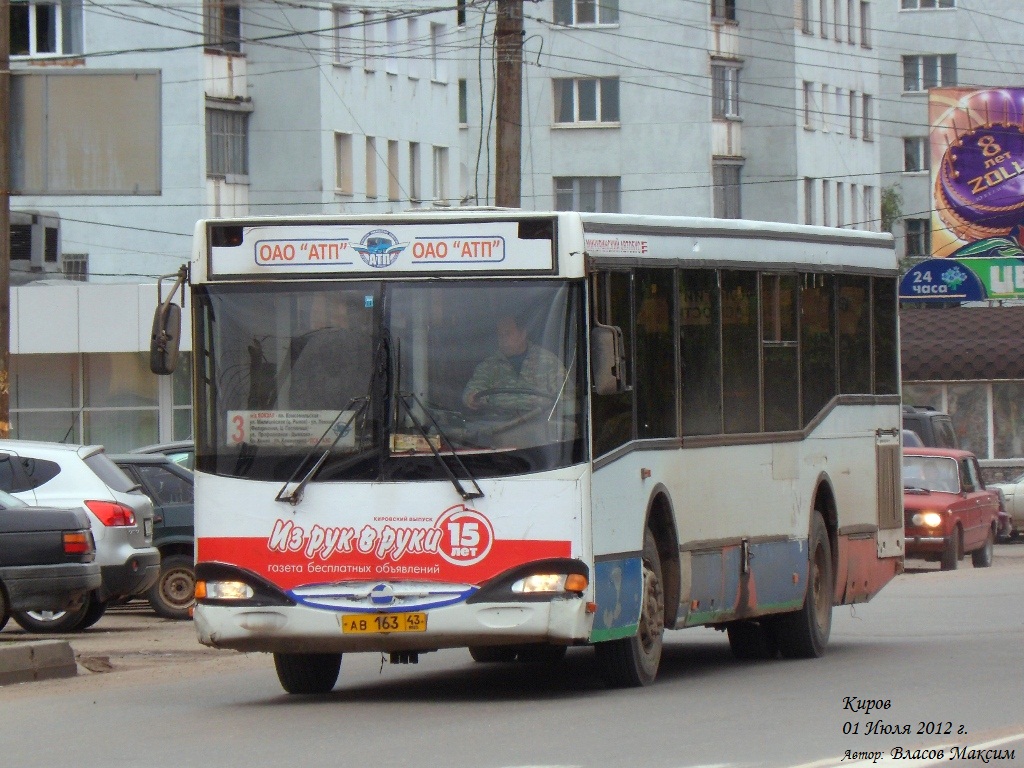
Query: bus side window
x=655 y=354
x=613 y=413
x=700 y=351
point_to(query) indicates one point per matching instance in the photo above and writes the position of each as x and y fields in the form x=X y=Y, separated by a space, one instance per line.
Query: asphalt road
x=943 y=649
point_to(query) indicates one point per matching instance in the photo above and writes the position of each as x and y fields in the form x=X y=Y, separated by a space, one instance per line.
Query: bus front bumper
x=300 y=629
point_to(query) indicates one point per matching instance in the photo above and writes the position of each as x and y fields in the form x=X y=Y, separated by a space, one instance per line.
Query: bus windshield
x=394 y=379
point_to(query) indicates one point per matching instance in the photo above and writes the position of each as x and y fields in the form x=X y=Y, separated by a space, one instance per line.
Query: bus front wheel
x=804 y=634
x=633 y=661
x=307 y=672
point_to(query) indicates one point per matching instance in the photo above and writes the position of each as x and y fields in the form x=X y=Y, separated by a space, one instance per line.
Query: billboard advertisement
x=977 y=180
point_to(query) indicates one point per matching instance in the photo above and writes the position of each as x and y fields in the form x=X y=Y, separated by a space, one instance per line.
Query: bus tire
x=301 y=673
x=631 y=662
x=982 y=557
x=752 y=640
x=493 y=654
x=804 y=634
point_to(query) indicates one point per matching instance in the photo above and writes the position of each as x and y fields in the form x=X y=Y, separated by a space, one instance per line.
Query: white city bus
x=714 y=441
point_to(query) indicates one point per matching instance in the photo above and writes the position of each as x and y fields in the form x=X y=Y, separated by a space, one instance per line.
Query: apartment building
x=132 y=121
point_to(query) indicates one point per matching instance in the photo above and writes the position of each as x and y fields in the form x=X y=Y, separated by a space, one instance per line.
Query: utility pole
x=508 y=42
x=5 y=217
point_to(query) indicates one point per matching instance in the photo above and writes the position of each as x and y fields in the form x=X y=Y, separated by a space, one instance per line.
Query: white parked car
x=121 y=516
x=1013 y=502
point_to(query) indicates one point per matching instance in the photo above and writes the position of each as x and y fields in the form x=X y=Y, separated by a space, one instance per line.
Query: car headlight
x=551 y=582
x=927 y=519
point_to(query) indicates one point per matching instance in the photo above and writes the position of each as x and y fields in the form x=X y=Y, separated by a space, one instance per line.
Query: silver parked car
x=121 y=516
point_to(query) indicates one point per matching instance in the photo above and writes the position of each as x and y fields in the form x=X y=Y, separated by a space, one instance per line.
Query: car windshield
x=7 y=501
x=931 y=473
x=393 y=378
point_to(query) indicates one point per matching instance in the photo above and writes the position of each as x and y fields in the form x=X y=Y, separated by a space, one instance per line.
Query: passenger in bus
x=332 y=361
x=520 y=377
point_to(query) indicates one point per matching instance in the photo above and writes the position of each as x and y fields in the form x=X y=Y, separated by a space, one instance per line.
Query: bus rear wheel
x=804 y=634
x=301 y=673
x=633 y=661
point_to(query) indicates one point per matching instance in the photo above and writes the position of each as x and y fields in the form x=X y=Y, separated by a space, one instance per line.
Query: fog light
x=225 y=590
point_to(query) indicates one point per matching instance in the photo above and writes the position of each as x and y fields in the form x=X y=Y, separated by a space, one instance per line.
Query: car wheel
x=804 y=634
x=952 y=552
x=982 y=558
x=175 y=591
x=493 y=654
x=307 y=672
x=752 y=640
x=633 y=661
x=93 y=613
x=48 y=622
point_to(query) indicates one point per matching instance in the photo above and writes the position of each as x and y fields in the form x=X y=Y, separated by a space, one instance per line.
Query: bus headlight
x=927 y=519
x=551 y=582
x=223 y=590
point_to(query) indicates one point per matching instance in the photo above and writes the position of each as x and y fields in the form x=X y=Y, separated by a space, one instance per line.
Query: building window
x=227 y=143
x=923 y=72
x=809 y=106
x=913 y=5
x=870 y=215
x=463 y=102
x=826 y=203
x=371 y=166
x=726 y=10
x=837 y=19
x=851 y=22
x=915 y=154
x=853 y=114
x=586 y=100
x=42 y=29
x=441 y=175
x=460 y=12
x=369 y=41
x=222 y=25
x=391 y=33
x=866 y=119
x=725 y=90
x=343 y=182
x=415 y=173
x=865 y=24
x=917 y=238
x=438 y=65
x=825 y=121
x=75 y=266
x=822 y=17
x=808 y=200
x=840 y=105
x=591 y=194
x=574 y=13
x=344 y=51
x=840 y=204
x=414 y=63
x=806 y=25
x=725 y=184
x=394 y=183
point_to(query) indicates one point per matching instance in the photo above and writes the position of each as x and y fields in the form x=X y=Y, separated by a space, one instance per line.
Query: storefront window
x=924 y=395
x=1008 y=419
x=968 y=407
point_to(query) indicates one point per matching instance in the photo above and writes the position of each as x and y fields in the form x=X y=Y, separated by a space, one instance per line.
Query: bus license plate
x=376 y=623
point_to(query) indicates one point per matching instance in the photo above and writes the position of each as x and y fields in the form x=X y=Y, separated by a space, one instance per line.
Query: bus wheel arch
x=825 y=505
x=661 y=522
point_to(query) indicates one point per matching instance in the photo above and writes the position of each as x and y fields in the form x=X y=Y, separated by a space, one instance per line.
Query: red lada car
x=947 y=509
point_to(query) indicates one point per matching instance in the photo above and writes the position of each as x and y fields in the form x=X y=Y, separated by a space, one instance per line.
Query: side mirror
x=165 y=339
x=607 y=360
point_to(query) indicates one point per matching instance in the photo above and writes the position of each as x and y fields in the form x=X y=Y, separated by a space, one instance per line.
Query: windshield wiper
x=476 y=493
x=294 y=496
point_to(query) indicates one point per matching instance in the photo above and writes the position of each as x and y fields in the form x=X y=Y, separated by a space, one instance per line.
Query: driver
x=528 y=376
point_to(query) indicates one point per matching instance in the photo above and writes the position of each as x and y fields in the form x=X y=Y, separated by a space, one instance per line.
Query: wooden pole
x=508 y=40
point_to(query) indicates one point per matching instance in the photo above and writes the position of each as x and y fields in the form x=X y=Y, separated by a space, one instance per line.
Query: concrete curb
x=40 y=660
